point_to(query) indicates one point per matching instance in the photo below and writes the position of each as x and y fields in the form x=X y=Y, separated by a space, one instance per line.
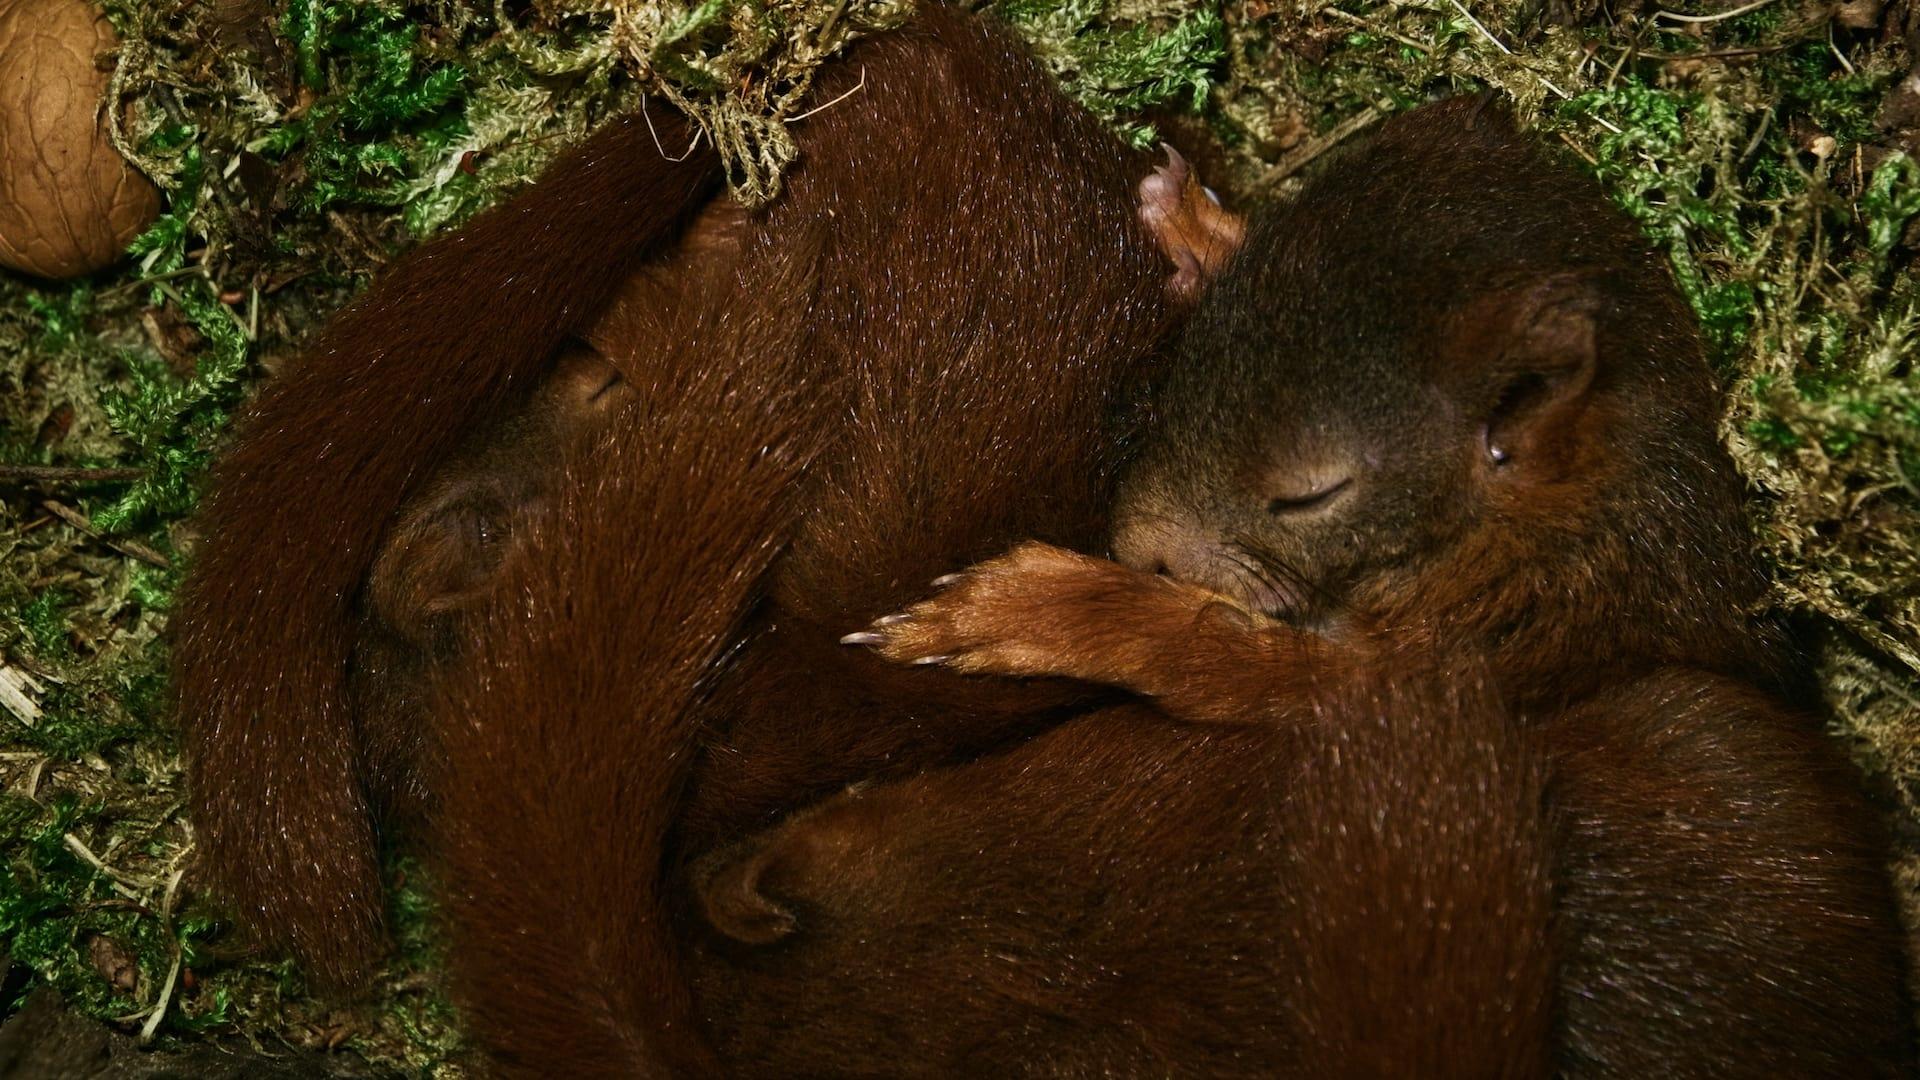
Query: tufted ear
x=730 y=891
x=1528 y=357
x=1195 y=232
x=444 y=549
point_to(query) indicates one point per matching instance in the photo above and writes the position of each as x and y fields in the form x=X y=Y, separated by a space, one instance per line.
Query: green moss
x=44 y=620
x=1121 y=70
x=171 y=423
x=1839 y=102
x=392 y=111
x=62 y=315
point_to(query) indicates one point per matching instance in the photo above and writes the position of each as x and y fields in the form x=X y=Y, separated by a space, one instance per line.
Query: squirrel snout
x=1162 y=545
x=1185 y=552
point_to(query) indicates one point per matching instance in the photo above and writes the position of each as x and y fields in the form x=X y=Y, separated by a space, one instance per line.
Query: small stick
x=1484 y=32
x=165 y=997
x=698 y=133
x=17 y=688
x=79 y=848
x=827 y=24
x=1835 y=49
x=1299 y=159
x=857 y=87
x=1675 y=16
x=31 y=785
x=1498 y=44
x=192 y=268
x=1753 y=144
x=66 y=474
x=1717 y=54
x=1365 y=24
x=1578 y=149
x=133 y=548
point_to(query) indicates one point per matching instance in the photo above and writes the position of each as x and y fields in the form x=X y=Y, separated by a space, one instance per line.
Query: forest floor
x=1771 y=149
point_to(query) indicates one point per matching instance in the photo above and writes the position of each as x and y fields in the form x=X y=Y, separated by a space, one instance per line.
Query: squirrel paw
x=999 y=617
x=1037 y=610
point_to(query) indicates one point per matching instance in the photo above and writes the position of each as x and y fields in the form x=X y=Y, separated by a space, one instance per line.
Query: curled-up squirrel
x=287 y=783
x=657 y=674
x=1459 y=749
x=544 y=549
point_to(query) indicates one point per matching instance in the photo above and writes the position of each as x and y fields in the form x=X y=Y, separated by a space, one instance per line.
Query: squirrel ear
x=1196 y=233
x=1539 y=348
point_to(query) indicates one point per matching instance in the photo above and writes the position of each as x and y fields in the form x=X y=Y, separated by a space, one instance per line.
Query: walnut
x=68 y=202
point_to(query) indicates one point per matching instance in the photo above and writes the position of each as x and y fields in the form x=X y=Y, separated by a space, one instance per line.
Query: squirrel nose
x=1165 y=546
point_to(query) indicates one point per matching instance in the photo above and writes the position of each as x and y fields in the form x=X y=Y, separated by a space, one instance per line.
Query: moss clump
x=1769 y=155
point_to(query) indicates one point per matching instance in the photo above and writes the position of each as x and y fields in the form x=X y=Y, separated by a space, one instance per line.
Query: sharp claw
x=929 y=660
x=1176 y=168
x=894 y=619
x=945 y=580
x=863 y=637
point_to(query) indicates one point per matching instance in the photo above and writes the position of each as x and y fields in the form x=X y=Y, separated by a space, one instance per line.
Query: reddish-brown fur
x=1128 y=895
x=958 y=403
x=1505 y=783
x=895 y=369
x=972 y=304
x=566 y=729
x=453 y=336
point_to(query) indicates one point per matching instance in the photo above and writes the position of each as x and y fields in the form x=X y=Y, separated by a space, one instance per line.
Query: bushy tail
x=292 y=521
x=1423 y=905
x=569 y=731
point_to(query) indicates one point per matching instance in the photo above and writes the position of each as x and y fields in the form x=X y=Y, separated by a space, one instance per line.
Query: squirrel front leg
x=1041 y=610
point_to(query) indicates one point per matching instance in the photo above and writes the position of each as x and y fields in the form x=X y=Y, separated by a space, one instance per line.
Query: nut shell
x=68 y=202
